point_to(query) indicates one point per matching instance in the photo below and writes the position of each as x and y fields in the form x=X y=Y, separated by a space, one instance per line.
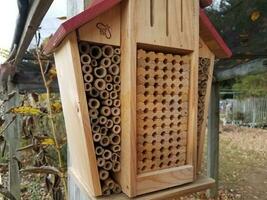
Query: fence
x=249 y=112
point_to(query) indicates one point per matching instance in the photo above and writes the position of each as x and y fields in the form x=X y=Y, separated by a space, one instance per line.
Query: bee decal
x=104 y=30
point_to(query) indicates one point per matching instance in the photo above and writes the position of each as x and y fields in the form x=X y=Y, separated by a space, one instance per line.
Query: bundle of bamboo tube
x=101 y=73
x=203 y=76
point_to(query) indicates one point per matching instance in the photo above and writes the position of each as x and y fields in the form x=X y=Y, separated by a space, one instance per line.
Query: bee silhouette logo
x=104 y=30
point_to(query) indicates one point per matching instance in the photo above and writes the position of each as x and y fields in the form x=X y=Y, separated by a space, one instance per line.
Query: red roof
x=207 y=31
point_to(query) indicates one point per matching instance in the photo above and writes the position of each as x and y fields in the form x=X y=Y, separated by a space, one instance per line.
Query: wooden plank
x=127 y=175
x=103 y=29
x=76 y=115
x=37 y=11
x=213 y=137
x=204 y=52
x=193 y=94
x=166 y=23
x=202 y=183
x=13 y=138
x=253 y=67
x=166 y=178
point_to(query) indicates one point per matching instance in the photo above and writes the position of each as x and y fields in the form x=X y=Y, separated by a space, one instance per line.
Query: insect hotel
x=134 y=79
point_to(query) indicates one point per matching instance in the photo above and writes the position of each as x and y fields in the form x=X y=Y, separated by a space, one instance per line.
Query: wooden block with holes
x=132 y=83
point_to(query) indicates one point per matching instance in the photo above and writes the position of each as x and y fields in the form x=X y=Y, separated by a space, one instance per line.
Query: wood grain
x=77 y=124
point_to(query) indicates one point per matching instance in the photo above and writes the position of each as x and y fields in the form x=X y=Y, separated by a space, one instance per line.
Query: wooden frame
x=78 y=129
x=204 y=52
x=132 y=184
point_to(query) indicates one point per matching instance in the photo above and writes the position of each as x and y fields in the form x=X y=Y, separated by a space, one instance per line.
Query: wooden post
x=213 y=137
x=12 y=137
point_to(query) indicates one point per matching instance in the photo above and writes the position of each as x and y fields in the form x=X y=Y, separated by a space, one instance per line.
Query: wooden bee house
x=128 y=76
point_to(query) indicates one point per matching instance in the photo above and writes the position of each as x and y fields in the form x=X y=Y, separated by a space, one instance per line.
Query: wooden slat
x=128 y=98
x=37 y=11
x=205 y=53
x=158 y=180
x=76 y=115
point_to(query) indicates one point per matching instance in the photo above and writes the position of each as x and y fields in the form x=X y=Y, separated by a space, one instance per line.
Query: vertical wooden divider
x=128 y=98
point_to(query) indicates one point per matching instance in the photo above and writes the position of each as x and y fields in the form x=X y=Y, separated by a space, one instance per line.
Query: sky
x=8 y=17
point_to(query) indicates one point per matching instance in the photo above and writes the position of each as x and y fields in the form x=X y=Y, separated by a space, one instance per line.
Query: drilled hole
x=171 y=133
x=153 y=166
x=181 y=71
x=143 y=168
x=162 y=141
x=154 y=110
x=163 y=110
x=165 y=77
x=170 y=148
x=144 y=152
x=144 y=160
x=174 y=62
x=154 y=126
x=146 y=93
x=165 y=85
x=172 y=102
x=170 y=140
x=163 y=125
x=147 y=59
x=146 y=102
x=180 y=86
x=161 y=164
x=144 y=143
x=169 y=163
x=177 y=154
x=145 y=127
x=165 y=61
x=164 y=94
x=178 y=139
x=156 y=68
x=145 y=135
x=161 y=157
x=171 y=125
x=181 y=78
x=147 y=67
x=153 y=158
x=156 y=77
x=181 y=62
x=177 y=161
x=173 y=69
x=161 y=149
x=173 y=77
x=146 y=85
x=153 y=151
x=154 y=142
x=156 y=93
x=155 y=101
x=154 y=134
x=180 y=109
x=172 y=94
x=156 y=85
x=147 y=76
x=165 y=69
x=157 y=60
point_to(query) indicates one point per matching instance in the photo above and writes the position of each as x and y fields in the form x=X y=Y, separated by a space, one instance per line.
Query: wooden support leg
x=12 y=137
x=213 y=138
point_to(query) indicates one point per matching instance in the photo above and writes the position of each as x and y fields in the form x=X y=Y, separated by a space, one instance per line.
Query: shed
x=135 y=78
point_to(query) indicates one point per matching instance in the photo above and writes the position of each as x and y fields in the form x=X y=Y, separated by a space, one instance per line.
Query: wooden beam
x=12 y=137
x=213 y=138
x=36 y=13
x=253 y=67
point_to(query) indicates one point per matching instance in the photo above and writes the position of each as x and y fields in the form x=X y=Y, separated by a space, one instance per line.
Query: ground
x=243 y=164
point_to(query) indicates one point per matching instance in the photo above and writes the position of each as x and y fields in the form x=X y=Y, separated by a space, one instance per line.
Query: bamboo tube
x=107 y=154
x=116 y=166
x=95 y=52
x=110 y=183
x=116 y=59
x=117 y=51
x=117 y=103
x=87 y=69
x=103 y=130
x=114 y=139
x=106 y=191
x=115 y=157
x=104 y=141
x=113 y=95
x=87 y=87
x=100 y=72
x=94 y=63
x=108 y=78
x=107 y=102
x=105 y=110
x=93 y=113
x=108 y=165
x=99 y=150
x=100 y=84
x=84 y=47
x=116 y=148
x=85 y=59
x=109 y=87
x=96 y=137
x=107 y=51
x=105 y=62
x=102 y=120
x=103 y=174
x=88 y=78
x=116 y=189
x=94 y=121
x=116 y=129
x=95 y=128
x=116 y=119
x=94 y=92
x=115 y=111
x=117 y=87
x=94 y=103
x=114 y=69
x=104 y=94
x=100 y=162
x=109 y=123
x=116 y=79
